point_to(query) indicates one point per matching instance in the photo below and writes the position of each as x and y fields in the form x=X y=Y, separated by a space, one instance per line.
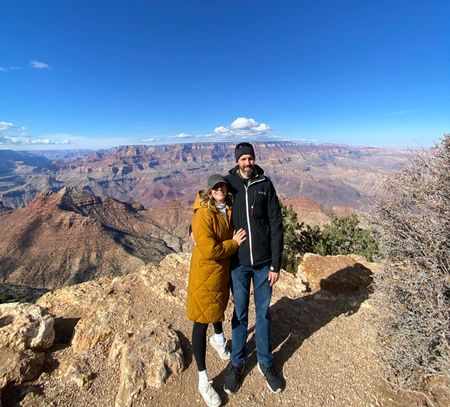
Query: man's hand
x=273 y=278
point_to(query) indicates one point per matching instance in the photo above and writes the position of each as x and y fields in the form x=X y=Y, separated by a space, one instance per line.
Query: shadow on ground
x=296 y=319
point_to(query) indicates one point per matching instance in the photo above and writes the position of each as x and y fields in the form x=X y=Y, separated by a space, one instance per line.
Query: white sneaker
x=221 y=350
x=212 y=399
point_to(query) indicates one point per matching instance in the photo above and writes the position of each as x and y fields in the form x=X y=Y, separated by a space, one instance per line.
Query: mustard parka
x=209 y=275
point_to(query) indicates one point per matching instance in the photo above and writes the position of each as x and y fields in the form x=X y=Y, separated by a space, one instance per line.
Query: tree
x=344 y=236
x=341 y=236
x=413 y=222
x=291 y=230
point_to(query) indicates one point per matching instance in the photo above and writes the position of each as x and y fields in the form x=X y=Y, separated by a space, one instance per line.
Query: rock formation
x=4 y=210
x=122 y=328
x=71 y=236
x=332 y=175
x=337 y=274
x=26 y=330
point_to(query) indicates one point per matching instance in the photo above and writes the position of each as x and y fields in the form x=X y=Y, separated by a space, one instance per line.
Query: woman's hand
x=239 y=236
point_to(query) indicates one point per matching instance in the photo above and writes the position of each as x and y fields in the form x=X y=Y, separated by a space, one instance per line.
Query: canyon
x=331 y=175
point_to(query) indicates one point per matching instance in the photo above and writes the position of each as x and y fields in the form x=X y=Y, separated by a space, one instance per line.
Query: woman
x=208 y=288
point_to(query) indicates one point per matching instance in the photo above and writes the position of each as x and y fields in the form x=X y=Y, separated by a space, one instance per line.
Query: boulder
x=145 y=350
x=32 y=399
x=106 y=318
x=75 y=300
x=117 y=330
x=17 y=367
x=288 y=285
x=69 y=304
x=75 y=370
x=168 y=281
x=145 y=359
x=336 y=274
x=25 y=330
x=25 y=326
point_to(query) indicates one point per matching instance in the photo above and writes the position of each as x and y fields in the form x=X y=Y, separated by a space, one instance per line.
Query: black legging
x=199 y=342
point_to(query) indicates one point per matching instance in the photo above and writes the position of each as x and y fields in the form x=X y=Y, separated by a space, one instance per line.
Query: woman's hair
x=207 y=199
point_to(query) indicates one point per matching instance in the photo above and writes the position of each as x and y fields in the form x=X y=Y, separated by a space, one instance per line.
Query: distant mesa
x=332 y=175
x=9 y=160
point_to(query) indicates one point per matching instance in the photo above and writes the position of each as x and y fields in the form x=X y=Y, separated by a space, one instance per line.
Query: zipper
x=248 y=225
x=248 y=217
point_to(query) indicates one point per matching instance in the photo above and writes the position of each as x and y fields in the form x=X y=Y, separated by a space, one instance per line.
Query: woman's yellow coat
x=209 y=275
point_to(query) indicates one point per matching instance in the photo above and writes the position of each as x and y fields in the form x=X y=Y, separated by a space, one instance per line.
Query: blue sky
x=93 y=74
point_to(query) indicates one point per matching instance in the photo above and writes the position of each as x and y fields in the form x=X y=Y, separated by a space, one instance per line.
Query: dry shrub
x=413 y=291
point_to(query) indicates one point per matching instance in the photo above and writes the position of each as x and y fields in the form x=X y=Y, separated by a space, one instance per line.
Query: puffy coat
x=209 y=275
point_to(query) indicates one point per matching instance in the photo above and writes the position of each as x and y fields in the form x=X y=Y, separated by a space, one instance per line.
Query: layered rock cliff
x=71 y=236
x=332 y=175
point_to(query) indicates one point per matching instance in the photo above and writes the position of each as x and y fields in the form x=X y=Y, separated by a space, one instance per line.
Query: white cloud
x=26 y=141
x=222 y=131
x=243 y=127
x=262 y=127
x=242 y=123
x=181 y=135
x=48 y=142
x=149 y=140
x=240 y=128
x=302 y=140
x=6 y=126
x=39 y=141
x=39 y=65
x=8 y=129
x=13 y=135
x=9 y=68
x=400 y=112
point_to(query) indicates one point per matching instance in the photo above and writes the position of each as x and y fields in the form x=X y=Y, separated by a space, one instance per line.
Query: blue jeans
x=241 y=277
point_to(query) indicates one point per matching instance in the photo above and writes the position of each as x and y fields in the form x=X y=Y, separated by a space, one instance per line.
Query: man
x=257 y=210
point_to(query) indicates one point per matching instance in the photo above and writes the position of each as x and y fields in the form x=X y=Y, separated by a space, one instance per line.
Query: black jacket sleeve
x=276 y=227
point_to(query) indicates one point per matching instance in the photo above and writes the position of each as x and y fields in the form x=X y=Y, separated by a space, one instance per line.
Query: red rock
x=337 y=274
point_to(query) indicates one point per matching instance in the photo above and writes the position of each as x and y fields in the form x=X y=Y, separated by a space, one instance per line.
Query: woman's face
x=219 y=192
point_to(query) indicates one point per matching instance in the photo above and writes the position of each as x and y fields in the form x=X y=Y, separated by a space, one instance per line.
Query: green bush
x=344 y=236
x=341 y=236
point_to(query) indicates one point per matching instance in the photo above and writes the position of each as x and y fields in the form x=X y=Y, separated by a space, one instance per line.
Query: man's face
x=246 y=165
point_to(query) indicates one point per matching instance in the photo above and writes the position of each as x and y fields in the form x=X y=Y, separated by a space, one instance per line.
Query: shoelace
x=269 y=371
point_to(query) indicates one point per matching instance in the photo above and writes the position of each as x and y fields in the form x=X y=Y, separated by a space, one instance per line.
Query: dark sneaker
x=233 y=378
x=274 y=382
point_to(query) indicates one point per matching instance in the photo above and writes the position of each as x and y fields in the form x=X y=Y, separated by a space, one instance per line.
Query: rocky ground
x=125 y=342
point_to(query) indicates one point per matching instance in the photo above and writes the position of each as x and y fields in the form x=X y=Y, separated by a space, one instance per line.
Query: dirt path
x=324 y=346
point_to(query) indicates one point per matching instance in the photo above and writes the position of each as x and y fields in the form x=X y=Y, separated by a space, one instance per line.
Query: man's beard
x=247 y=170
